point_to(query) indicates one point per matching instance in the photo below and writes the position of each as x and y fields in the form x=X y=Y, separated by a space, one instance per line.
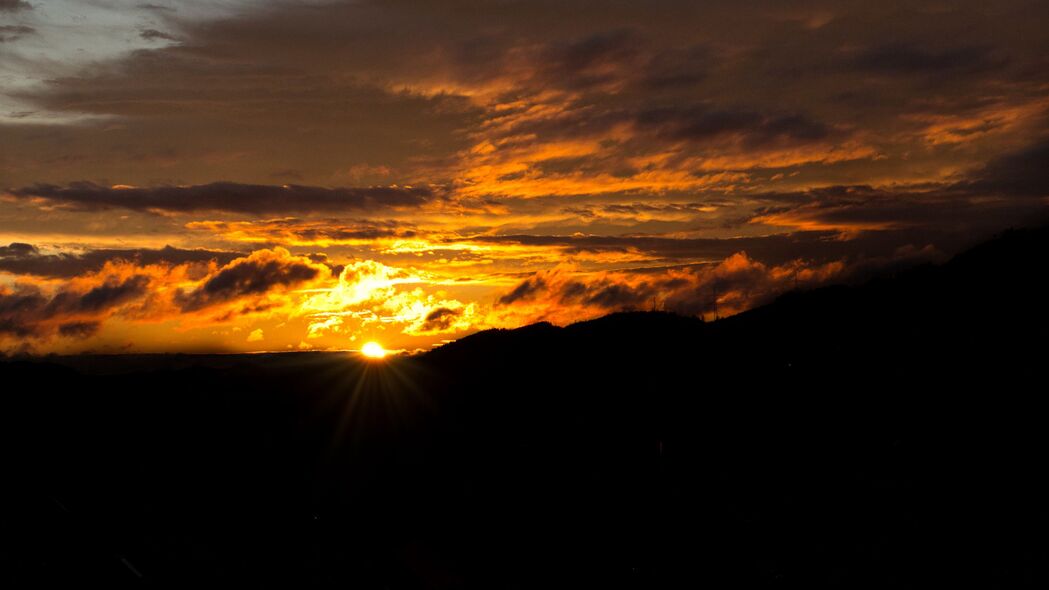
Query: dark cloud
x=738 y=283
x=606 y=293
x=775 y=248
x=609 y=295
x=758 y=130
x=913 y=60
x=155 y=35
x=231 y=197
x=18 y=250
x=734 y=284
x=227 y=104
x=439 y=320
x=26 y=312
x=14 y=5
x=678 y=68
x=258 y=274
x=79 y=329
x=592 y=61
x=301 y=231
x=18 y=308
x=1007 y=191
x=14 y=32
x=699 y=124
x=26 y=259
x=113 y=292
x=525 y=290
x=1021 y=174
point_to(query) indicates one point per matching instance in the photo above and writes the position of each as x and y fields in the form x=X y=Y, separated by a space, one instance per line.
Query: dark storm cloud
x=26 y=259
x=14 y=5
x=258 y=274
x=14 y=32
x=231 y=197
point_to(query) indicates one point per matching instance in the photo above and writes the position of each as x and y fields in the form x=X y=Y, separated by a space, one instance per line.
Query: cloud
x=737 y=283
x=294 y=231
x=230 y=197
x=158 y=7
x=914 y=60
x=592 y=61
x=17 y=306
x=256 y=275
x=74 y=311
x=776 y=248
x=1008 y=190
x=755 y=130
x=114 y=291
x=1024 y=173
x=255 y=335
x=26 y=259
x=14 y=5
x=376 y=294
x=79 y=329
x=10 y=33
x=155 y=35
x=525 y=290
x=439 y=320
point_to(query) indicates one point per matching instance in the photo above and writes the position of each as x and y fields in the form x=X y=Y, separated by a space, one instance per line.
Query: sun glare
x=373 y=350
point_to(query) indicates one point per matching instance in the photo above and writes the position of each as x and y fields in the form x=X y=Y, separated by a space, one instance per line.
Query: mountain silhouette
x=887 y=434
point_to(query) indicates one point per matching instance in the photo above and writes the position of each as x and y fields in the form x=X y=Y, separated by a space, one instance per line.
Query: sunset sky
x=250 y=175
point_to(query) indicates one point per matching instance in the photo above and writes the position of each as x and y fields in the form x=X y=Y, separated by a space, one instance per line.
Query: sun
x=373 y=350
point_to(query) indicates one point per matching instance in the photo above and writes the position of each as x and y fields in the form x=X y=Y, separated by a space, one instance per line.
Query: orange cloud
x=563 y=294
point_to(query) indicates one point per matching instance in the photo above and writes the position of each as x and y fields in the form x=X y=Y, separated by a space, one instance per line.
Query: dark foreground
x=891 y=435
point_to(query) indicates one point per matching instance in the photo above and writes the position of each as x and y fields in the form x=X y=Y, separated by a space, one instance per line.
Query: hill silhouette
x=889 y=434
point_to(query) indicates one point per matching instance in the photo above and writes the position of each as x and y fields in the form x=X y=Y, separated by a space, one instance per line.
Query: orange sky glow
x=281 y=176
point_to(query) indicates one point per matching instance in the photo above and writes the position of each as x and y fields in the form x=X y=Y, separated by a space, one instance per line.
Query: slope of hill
x=889 y=434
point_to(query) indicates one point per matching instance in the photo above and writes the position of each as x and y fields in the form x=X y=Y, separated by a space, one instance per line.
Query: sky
x=265 y=175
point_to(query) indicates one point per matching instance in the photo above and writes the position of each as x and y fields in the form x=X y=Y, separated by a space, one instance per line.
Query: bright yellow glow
x=373 y=350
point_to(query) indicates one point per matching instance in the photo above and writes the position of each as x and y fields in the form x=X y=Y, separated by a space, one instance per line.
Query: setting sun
x=373 y=350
